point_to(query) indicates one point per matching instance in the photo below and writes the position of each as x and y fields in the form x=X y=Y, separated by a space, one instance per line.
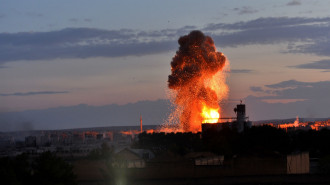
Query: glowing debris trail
x=197 y=81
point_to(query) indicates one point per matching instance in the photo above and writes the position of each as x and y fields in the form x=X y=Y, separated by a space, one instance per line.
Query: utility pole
x=141 y=123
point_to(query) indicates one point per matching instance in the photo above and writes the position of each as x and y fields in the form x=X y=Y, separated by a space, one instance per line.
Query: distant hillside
x=153 y=113
x=80 y=116
x=290 y=120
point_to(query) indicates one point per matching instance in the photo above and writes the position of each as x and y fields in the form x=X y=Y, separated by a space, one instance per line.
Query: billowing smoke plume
x=192 y=73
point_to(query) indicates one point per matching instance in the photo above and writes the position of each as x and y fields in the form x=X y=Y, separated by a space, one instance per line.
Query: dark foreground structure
x=224 y=157
x=232 y=153
x=171 y=173
x=240 y=123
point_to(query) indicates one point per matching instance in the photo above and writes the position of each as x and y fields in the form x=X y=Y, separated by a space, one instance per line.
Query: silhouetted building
x=100 y=136
x=131 y=158
x=240 y=123
x=31 y=141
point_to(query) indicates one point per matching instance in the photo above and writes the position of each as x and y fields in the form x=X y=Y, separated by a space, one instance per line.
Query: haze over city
x=104 y=63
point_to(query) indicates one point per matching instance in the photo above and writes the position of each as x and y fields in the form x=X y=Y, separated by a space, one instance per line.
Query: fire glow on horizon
x=197 y=82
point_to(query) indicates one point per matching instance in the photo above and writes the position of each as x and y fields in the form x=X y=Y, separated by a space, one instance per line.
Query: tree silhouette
x=52 y=170
x=47 y=169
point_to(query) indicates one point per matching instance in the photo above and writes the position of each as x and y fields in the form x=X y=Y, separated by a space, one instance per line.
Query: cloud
x=256 y=89
x=322 y=64
x=293 y=3
x=2 y=67
x=293 y=89
x=90 y=42
x=34 y=14
x=289 y=84
x=245 y=10
x=290 y=98
x=74 y=20
x=319 y=46
x=33 y=93
x=270 y=22
x=257 y=109
x=87 y=42
x=88 y=20
x=303 y=35
x=241 y=71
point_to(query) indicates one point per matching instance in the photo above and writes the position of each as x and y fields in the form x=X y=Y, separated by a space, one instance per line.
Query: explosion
x=197 y=80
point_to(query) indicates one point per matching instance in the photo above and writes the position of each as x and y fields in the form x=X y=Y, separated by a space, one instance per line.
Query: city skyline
x=64 y=54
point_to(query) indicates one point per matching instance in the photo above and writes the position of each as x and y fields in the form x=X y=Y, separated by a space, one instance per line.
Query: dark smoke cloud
x=195 y=62
x=195 y=55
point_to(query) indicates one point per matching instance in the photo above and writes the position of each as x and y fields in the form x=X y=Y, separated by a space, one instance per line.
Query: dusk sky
x=66 y=53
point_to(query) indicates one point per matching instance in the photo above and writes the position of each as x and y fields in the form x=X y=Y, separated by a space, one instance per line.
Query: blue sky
x=65 y=53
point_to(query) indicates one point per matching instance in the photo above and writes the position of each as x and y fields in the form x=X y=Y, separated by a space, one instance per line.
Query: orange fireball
x=210 y=115
x=198 y=81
